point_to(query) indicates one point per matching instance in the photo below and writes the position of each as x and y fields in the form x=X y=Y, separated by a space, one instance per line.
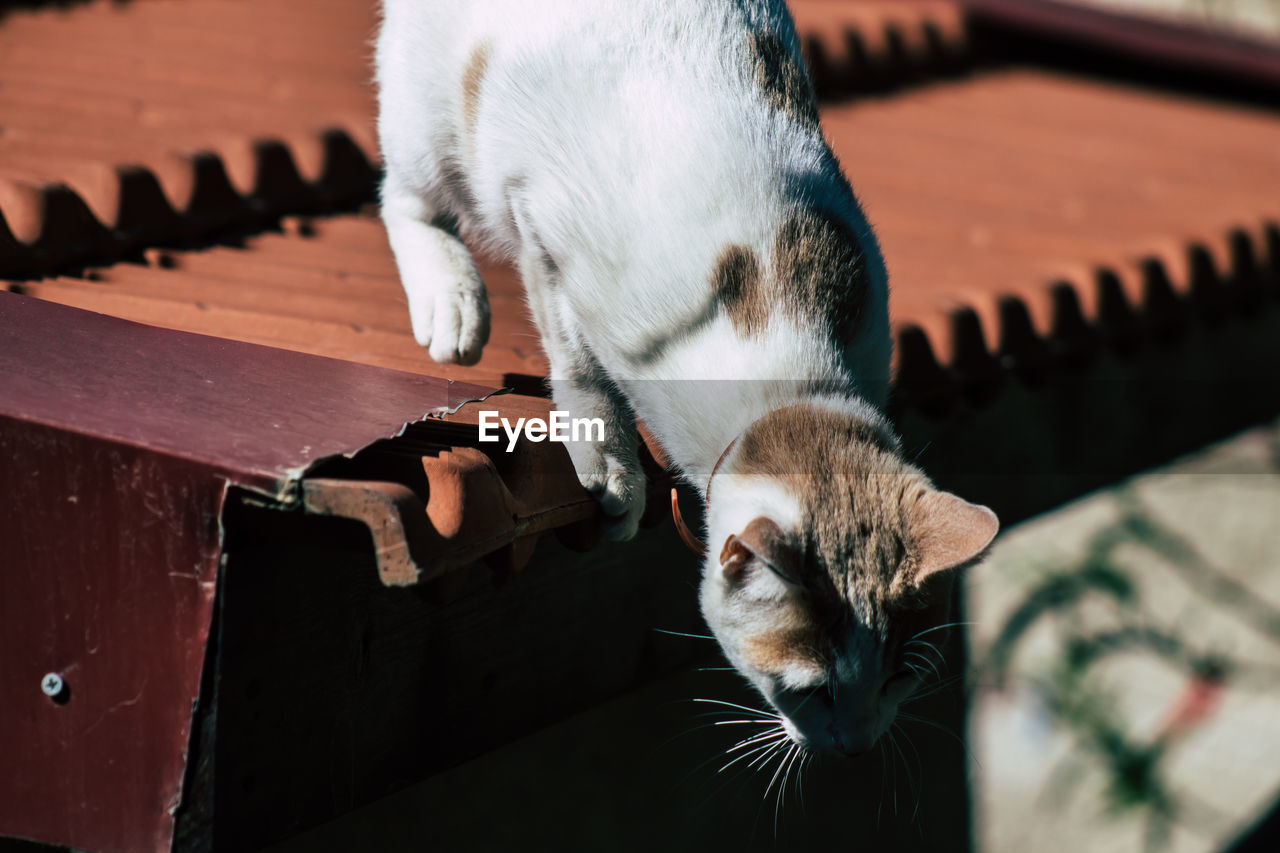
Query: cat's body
x=692 y=255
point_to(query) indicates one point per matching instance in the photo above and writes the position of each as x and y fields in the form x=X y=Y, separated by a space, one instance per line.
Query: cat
x=692 y=255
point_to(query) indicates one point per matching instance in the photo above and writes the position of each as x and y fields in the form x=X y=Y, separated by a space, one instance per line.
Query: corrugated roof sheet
x=129 y=124
x=1021 y=212
x=329 y=287
x=126 y=124
x=1018 y=207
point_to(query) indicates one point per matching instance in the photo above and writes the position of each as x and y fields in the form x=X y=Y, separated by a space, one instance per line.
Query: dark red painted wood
x=107 y=574
x=117 y=444
x=260 y=414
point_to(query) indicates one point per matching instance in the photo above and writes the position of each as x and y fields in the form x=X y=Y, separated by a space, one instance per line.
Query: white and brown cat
x=692 y=255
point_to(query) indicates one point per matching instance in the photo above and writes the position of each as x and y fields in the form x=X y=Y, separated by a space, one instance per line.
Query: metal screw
x=52 y=684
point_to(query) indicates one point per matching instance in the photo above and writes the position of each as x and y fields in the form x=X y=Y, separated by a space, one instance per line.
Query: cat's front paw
x=453 y=323
x=620 y=489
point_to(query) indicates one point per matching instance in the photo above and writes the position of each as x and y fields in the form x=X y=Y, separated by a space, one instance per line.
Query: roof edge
x=1165 y=42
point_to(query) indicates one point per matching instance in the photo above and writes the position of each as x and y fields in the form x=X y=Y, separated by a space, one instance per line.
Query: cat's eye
x=780 y=573
x=807 y=695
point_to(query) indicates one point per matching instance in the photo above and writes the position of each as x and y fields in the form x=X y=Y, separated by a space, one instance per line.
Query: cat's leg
x=448 y=307
x=609 y=469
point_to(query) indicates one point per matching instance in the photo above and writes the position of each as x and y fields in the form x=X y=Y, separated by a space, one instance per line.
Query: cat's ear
x=948 y=531
x=761 y=544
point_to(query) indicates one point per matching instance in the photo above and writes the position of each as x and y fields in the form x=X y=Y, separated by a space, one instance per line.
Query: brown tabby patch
x=472 y=78
x=775 y=651
x=739 y=289
x=819 y=266
x=856 y=494
x=817 y=272
x=783 y=79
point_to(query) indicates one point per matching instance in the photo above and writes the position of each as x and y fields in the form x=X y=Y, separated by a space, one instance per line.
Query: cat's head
x=828 y=557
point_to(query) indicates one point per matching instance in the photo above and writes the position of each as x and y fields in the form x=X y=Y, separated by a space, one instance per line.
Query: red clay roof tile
x=987 y=192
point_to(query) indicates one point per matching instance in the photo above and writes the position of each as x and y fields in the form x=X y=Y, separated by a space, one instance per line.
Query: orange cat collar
x=695 y=544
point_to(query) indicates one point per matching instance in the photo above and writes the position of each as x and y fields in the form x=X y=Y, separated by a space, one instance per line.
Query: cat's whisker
x=683 y=634
x=765 y=746
x=794 y=757
x=802 y=756
x=920 y=452
x=749 y=748
x=940 y=628
x=783 y=766
x=919 y=766
x=945 y=684
x=927 y=647
x=906 y=768
x=923 y=646
x=893 y=776
x=730 y=713
x=938 y=687
x=805 y=757
x=689 y=731
x=713 y=724
x=770 y=721
x=925 y=721
x=731 y=709
x=942 y=686
x=928 y=662
x=805 y=764
x=754 y=753
x=937 y=668
x=716 y=718
x=772 y=729
x=756 y=738
x=911 y=743
x=736 y=706
x=880 y=808
x=701 y=727
x=760 y=762
x=784 y=762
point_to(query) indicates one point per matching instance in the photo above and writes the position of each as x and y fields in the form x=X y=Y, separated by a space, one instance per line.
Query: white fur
x=625 y=141
x=754 y=496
